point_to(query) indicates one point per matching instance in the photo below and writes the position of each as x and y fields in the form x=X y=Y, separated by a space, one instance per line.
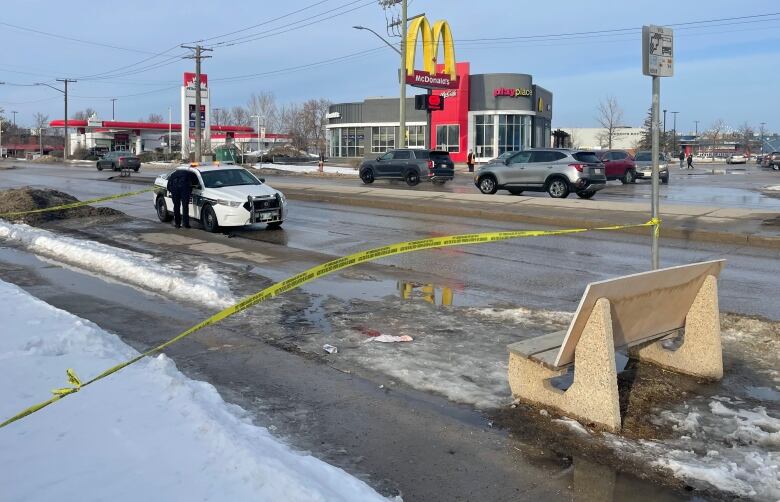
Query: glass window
x=587 y=157
x=484 y=133
x=448 y=137
x=402 y=154
x=382 y=138
x=415 y=136
x=512 y=135
x=543 y=157
x=520 y=158
x=387 y=156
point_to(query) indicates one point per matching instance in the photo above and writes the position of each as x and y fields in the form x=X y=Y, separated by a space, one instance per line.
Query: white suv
x=226 y=196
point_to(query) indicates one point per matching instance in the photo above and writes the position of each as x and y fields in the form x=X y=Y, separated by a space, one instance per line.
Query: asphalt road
x=739 y=188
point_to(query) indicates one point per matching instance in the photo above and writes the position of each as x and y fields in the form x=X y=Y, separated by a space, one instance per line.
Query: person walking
x=180 y=184
x=470 y=158
x=690 y=161
x=682 y=158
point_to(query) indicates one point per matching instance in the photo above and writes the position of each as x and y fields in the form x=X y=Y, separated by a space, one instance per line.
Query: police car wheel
x=209 y=220
x=162 y=210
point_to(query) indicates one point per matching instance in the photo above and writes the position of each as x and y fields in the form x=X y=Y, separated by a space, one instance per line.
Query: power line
x=269 y=21
x=73 y=39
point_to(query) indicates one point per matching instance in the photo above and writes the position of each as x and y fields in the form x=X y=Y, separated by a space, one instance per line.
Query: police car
x=225 y=196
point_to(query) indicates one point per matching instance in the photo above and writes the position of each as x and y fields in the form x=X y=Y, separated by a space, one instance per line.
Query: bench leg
x=593 y=397
x=700 y=353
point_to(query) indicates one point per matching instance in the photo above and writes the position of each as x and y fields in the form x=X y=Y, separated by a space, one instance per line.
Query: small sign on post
x=657 y=51
x=657 y=61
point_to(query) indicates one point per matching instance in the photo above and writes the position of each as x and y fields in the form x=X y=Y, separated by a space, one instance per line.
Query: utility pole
x=402 y=75
x=14 y=112
x=674 y=132
x=696 y=135
x=170 y=150
x=198 y=128
x=113 y=108
x=66 y=151
x=258 y=130
x=762 y=137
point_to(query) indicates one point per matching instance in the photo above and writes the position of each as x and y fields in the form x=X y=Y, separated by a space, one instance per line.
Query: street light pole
x=664 y=135
x=258 y=130
x=696 y=134
x=170 y=150
x=113 y=108
x=402 y=75
x=66 y=150
x=674 y=132
x=655 y=153
x=762 y=137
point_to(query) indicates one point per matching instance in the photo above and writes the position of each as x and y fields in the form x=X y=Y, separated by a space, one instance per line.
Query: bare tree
x=220 y=116
x=746 y=136
x=239 y=116
x=263 y=105
x=83 y=114
x=155 y=118
x=610 y=116
x=291 y=122
x=315 y=113
x=40 y=120
x=714 y=133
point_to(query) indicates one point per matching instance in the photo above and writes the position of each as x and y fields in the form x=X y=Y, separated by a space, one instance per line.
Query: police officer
x=180 y=185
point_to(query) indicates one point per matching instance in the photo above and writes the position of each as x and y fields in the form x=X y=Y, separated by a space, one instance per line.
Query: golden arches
x=430 y=41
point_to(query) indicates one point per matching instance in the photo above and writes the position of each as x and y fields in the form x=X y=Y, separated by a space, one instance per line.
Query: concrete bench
x=636 y=313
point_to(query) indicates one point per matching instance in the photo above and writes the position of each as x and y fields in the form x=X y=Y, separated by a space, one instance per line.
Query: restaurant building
x=490 y=113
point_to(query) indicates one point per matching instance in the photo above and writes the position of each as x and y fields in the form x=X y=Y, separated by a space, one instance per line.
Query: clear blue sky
x=726 y=70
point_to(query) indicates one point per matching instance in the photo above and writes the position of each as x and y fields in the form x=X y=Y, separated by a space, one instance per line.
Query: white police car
x=226 y=196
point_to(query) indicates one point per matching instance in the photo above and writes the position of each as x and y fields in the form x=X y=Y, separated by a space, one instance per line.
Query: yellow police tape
x=311 y=274
x=72 y=205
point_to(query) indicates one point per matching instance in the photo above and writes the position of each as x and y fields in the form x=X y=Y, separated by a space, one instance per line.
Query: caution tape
x=311 y=274
x=73 y=205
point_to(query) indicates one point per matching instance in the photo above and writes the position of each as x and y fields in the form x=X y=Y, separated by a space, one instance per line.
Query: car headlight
x=229 y=203
x=282 y=197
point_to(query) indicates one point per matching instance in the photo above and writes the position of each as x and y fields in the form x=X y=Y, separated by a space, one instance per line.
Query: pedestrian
x=180 y=184
x=690 y=161
x=470 y=160
x=682 y=158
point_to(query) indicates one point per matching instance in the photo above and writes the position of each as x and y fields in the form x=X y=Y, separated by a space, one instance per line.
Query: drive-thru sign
x=657 y=51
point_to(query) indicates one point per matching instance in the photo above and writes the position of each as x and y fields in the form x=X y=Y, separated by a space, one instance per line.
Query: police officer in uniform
x=180 y=185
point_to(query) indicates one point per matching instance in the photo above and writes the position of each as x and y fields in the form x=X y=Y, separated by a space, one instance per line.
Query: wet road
x=740 y=188
x=546 y=272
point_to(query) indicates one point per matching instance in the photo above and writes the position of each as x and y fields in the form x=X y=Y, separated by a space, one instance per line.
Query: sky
x=302 y=49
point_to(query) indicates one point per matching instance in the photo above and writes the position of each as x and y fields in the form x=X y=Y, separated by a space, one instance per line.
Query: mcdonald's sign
x=431 y=36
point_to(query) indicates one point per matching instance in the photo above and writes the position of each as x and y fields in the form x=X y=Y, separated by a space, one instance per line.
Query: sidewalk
x=723 y=225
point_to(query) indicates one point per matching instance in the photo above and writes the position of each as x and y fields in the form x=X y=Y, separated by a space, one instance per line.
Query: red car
x=619 y=165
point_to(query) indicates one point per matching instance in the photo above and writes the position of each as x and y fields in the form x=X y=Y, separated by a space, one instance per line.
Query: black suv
x=411 y=165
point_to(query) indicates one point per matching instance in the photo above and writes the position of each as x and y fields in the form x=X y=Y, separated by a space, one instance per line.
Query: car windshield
x=228 y=178
x=506 y=155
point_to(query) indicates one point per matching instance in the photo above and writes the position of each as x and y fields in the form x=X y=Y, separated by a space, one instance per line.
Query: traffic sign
x=657 y=51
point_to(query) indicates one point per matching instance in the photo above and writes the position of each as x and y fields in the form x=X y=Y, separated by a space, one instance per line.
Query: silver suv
x=556 y=171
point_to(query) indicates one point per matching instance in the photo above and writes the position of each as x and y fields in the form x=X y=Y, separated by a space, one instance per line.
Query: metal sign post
x=657 y=61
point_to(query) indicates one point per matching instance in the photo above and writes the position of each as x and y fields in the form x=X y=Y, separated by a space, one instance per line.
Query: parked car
x=759 y=158
x=119 y=160
x=225 y=196
x=771 y=160
x=619 y=165
x=736 y=158
x=643 y=160
x=409 y=164
x=556 y=171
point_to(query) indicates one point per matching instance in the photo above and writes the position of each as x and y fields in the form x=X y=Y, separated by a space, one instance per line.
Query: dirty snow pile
x=138 y=269
x=728 y=444
x=146 y=433
x=774 y=188
x=308 y=169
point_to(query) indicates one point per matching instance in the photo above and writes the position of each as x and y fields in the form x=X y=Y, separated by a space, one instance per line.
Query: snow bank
x=308 y=169
x=138 y=269
x=732 y=447
x=775 y=188
x=147 y=433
